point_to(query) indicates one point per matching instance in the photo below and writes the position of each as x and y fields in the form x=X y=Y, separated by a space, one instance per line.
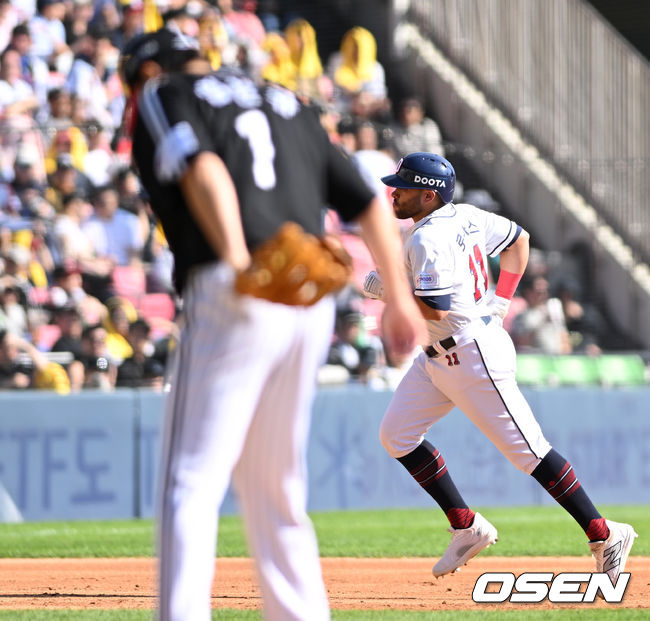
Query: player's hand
x=373 y=286
x=498 y=308
x=239 y=261
x=403 y=327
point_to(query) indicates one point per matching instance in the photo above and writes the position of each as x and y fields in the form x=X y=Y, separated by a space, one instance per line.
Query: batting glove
x=373 y=287
x=498 y=307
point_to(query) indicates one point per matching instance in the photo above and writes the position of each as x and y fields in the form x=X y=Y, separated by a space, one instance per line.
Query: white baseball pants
x=240 y=407
x=478 y=376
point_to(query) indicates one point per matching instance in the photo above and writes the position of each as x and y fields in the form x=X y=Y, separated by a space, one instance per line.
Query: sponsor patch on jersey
x=424 y=281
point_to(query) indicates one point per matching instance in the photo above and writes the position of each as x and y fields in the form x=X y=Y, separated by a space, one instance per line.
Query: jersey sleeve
x=431 y=273
x=500 y=232
x=346 y=191
x=170 y=114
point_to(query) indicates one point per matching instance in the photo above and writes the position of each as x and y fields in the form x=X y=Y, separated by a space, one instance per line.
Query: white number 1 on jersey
x=253 y=126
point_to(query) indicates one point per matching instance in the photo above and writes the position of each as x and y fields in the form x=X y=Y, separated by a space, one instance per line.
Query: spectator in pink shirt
x=242 y=24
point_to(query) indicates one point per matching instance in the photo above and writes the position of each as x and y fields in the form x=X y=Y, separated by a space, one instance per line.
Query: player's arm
x=515 y=257
x=430 y=307
x=433 y=308
x=212 y=199
x=402 y=324
x=512 y=264
x=383 y=241
x=432 y=278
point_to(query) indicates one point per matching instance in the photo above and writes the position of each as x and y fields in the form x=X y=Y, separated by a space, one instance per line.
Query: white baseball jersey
x=446 y=254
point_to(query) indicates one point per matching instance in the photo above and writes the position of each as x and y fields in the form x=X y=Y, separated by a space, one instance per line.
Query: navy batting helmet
x=424 y=171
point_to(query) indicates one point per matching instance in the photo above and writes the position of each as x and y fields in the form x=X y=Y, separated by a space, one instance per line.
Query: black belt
x=446 y=344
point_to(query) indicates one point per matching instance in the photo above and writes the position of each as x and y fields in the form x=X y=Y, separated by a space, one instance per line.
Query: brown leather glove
x=295 y=268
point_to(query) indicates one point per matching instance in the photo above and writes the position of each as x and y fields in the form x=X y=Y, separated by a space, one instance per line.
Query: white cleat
x=611 y=554
x=465 y=544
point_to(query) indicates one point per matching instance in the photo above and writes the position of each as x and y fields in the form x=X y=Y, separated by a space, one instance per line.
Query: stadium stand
x=47 y=123
x=156 y=306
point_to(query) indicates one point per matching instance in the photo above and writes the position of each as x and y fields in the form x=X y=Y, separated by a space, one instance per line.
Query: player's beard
x=406 y=207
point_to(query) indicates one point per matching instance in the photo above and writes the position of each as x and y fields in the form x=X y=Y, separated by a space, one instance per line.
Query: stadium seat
x=157 y=305
x=160 y=328
x=576 y=370
x=129 y=281
x=621 y=370
x=534 y=369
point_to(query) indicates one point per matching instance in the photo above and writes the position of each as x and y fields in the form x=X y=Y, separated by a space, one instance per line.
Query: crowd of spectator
x=86 y=295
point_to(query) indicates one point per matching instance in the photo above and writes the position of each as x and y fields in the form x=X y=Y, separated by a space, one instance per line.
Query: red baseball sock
x=597 y=530
x=460 y=518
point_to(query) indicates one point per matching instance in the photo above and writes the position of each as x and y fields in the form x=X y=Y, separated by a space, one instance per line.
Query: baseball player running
x=469 y=361
x=226 y=164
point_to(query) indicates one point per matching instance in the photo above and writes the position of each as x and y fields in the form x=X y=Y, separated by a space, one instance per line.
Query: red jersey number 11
x=479 y=287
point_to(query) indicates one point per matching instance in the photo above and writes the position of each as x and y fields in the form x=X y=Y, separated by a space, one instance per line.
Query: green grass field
x=523 y=531
x=538 y=531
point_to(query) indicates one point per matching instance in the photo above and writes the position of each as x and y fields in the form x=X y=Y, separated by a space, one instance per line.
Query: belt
x=462 y=336
x=446 y=344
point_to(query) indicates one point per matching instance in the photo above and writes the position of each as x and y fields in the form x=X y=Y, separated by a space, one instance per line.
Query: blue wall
x=94 y=456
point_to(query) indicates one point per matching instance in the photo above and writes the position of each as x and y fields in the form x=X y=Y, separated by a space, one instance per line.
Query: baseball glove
x=295 y=268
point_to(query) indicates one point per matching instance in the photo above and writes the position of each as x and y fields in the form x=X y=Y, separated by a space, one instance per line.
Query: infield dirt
x=352 y=583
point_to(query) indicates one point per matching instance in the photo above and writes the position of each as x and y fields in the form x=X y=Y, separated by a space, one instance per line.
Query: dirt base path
x=365 y=584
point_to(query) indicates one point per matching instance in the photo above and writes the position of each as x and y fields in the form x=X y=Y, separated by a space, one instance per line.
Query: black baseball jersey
x=281 y=160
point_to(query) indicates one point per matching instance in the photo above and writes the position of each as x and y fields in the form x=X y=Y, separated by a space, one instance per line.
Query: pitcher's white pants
x=240 y=407
x=478 y=376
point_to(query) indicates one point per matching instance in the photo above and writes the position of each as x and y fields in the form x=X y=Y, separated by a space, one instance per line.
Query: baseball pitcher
x=238 y=176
